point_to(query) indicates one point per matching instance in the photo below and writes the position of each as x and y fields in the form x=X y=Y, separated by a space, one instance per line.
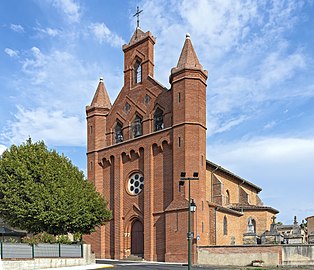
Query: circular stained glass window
x=135 y=183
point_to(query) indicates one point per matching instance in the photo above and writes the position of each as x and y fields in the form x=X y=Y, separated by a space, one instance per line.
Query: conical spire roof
x=101 y=98
x=188 y=57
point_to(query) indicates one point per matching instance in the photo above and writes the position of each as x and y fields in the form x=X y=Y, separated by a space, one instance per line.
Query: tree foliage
x=42 y=191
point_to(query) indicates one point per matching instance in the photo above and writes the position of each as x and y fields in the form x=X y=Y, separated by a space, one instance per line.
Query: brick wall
x=239 y=255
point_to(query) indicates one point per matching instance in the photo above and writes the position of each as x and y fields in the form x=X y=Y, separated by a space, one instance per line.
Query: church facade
x=137 y=149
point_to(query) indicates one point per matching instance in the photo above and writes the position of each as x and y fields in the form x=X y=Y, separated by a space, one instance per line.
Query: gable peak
x=139 y=36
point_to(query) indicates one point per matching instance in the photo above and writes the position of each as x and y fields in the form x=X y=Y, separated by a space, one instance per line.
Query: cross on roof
x=137 y=14
x=274 y=219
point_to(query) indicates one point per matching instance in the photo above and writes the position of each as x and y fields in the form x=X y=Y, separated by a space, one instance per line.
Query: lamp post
x=191 y=208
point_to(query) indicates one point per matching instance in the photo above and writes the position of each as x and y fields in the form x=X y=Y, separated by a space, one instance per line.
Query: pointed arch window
x=137 y=72
x=118 y=133
x=225 y=226
x=158 y=119
x=227 y=197
x=137 y=127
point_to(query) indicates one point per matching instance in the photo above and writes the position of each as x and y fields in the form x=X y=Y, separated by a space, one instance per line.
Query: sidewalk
x=82 y=267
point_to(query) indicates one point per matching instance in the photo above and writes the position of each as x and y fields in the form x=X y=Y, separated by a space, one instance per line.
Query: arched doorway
x=137 y=239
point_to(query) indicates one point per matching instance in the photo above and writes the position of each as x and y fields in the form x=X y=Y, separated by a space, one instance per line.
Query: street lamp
x=191 y=208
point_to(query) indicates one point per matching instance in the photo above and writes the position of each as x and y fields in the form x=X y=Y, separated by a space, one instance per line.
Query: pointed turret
x=188 y=86
x=101 y=98
x=188 y=58
x=96 y=115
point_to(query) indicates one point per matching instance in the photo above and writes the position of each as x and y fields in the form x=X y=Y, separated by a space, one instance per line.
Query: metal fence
x=26 y=251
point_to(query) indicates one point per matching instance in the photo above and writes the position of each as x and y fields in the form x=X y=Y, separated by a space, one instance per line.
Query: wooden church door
x=137 y=239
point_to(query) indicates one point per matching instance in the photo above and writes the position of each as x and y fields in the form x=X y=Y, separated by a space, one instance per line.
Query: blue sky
x=260 y=94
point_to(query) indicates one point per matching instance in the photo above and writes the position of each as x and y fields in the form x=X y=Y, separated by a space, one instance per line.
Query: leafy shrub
x=39 y=238
x=63 y=239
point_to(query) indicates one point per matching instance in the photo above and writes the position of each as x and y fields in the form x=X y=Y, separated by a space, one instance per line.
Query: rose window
x=136 y=183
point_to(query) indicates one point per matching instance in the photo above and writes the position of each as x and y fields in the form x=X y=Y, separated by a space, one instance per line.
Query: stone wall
x=272 y=255
x=239 y=255
x=41 y=263
x=298 y=255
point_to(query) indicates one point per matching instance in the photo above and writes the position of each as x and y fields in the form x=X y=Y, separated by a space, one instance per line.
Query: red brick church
x=136 y=150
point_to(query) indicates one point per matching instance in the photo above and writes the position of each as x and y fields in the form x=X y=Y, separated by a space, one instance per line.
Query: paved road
x=125 y=265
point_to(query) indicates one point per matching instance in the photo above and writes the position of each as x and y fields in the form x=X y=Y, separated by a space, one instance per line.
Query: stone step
x=137 y=257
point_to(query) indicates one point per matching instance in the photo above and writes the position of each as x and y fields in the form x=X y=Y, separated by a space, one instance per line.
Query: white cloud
x=280 y=165
x=270 y=125
x=2 y=149
x=17 y=28
x=48 y=31
x=63 y=84
x=103 y=34
x=276 y=68
x=54 y=127
x=219 y=24
x=243 y=46
x=35 y=66
x=70 y=8
x=56 y=73
x=215 y=126
x=11 y=53
x=271 y=150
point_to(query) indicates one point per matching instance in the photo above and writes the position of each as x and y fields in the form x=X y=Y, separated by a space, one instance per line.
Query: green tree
x=42 y=191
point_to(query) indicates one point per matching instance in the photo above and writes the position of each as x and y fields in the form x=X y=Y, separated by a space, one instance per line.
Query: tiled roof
x=242 y=207
x=233 y=175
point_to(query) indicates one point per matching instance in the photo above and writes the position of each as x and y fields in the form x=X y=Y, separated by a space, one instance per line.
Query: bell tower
x=138 y=58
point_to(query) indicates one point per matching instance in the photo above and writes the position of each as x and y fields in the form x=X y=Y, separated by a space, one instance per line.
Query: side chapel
x=137 y=148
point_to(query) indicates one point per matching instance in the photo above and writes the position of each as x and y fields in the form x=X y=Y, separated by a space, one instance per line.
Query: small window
x=179 y=141
x=158 y=119
x=90 y=130
x=127 y=107
x=177 y=221
x=137 y=127
x=147 y=99
x=138 y=72
x=202 y=226
x=118 y=133
x=91 y=166
x=179 y=97
x=225 y=226
x=227 y=197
